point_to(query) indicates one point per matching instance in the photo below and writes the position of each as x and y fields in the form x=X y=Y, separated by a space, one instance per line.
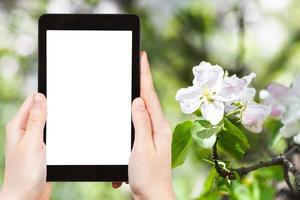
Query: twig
x=292 y=168
x=278 y=160
x=287 y=165
x=287 y=177
x=282 y=160
x=221 y=170
x=246 y=170
x=291 y=151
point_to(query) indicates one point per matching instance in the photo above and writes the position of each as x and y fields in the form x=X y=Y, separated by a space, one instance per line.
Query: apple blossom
x=285 y=102
x=254 y=115
x=205 y=93
x=251 y=113
x=291 y=118
x=275 y=96
x=235 y=87
x=215 y=93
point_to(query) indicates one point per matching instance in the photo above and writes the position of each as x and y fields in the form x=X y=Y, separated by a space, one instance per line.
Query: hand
x=25 y=162
x=150 y=161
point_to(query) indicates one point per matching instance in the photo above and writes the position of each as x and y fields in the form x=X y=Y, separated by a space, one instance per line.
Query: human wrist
x=11 y=195
x=4 y=195
x=154 y=193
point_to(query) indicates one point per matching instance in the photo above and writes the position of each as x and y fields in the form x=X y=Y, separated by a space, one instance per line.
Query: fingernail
x=38 y=100
x=144 y=54
x=140 y=104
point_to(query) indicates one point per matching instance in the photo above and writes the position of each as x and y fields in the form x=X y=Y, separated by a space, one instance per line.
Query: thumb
x=142 y=124
x=37 y=117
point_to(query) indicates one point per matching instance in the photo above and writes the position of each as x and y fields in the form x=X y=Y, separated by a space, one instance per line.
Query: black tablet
x=89 y=72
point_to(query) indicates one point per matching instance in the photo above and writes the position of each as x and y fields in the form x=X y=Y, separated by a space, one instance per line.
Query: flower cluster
x=285 y=103
x=216 y=94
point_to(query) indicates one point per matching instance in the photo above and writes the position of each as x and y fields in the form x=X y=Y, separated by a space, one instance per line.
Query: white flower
x=296 y=87
x=234 y=87
x=189 y=99
x=239 y=91
x=254 y=115
x=290 y=99
x=277 y=109
x=291 y=128
x=277 y=96
x=205 y=93
x=291 y=123
x=297 y=138
x=213 y=94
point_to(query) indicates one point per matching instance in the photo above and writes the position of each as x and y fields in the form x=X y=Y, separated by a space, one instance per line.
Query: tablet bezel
x=89 y=22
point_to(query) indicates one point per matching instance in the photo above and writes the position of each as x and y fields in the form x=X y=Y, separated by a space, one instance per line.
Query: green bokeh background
x=243 y=36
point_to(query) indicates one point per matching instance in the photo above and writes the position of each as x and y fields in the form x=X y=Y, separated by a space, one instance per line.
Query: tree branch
x=287 y=178
x=292 y=168
x=221 y=170
x=278 y=160
x=282 y=160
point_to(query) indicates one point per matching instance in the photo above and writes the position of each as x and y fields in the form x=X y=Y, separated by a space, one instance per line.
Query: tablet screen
x=88 y=97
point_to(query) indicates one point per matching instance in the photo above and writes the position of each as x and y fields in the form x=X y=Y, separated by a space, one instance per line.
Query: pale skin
x=150 y=161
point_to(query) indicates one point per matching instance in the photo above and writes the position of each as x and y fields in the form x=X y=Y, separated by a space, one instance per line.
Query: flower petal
x=254 y=115
x=282 y=94
x=213 y=111
x=277 y=89
x=296 y=86
x=207 y=75
x=249 y=78
x=278 y=109
x=229 y=107
x=292 y=113
x=236 y=89
x=297 y=138
x=290 y=129
x=247 y=95
x=189 y=99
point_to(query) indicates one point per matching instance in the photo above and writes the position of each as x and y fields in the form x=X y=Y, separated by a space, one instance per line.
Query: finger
x=142 y=125
x=148 y=93
x=37 y=117
x=15 y=129
x=21 y=116
x=116 y=185
x=161 y=127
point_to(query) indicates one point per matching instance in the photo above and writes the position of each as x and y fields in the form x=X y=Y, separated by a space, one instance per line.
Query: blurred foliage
x=262 y=36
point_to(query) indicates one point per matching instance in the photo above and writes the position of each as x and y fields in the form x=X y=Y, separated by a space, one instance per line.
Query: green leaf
x=273 y=126
x=197 y=113
x=181 y=142
x=210 y=180
x=223 y=184
x=202 y=130
x=232 y=140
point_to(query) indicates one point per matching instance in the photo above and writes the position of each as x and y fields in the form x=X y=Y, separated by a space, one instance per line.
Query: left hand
x=25 y=161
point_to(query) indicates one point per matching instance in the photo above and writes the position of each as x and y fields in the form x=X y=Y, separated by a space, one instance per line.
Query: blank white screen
x=88 y=97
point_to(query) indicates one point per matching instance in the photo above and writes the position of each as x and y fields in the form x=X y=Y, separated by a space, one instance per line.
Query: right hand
x=150 y=175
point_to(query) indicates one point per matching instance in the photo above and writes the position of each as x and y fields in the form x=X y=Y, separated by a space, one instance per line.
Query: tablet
x=89 y=72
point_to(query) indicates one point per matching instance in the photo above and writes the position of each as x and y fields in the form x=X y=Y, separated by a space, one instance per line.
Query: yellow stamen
x=208 y=94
